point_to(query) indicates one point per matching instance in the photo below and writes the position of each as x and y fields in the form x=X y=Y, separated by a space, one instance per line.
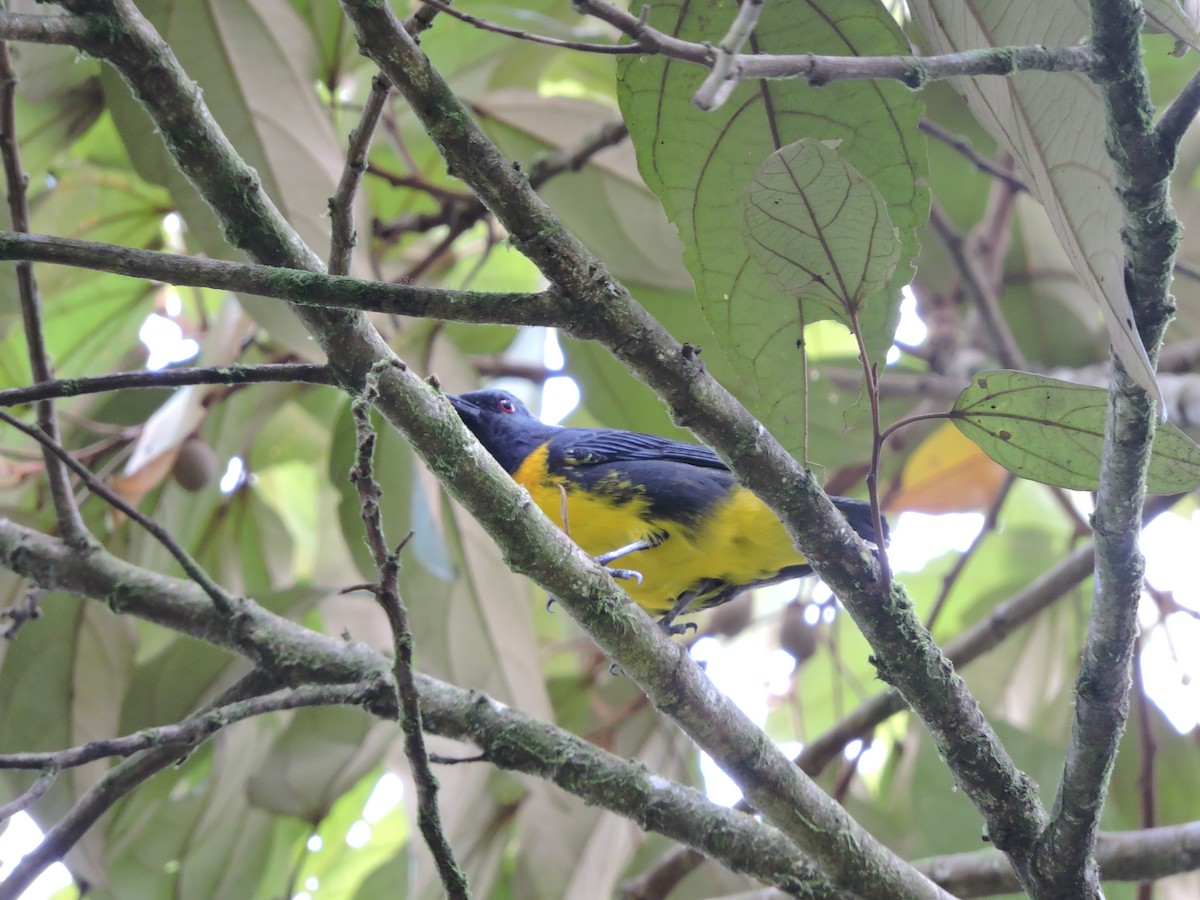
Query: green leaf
x=189 y=831
x=1053 y=432
x=699 y=164
x=820 y=231
x=341 y=869
x=58 y=99
x=322 y=754
x=575 y=852
x=606 y=203
x=62 y=690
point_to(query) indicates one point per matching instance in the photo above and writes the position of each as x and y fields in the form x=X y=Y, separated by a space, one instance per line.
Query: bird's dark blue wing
x=597 y=446
x=679 y=482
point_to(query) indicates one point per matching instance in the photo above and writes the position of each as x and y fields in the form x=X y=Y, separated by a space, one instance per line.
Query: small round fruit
x=195 y=466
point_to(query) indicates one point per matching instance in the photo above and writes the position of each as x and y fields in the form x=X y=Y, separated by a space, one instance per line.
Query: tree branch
x=1178 y=117
x=1064 y=865
x=291 y=654
x=310 y=288
x=914 y=71
x=97 y=800
x=341 y=204
x=198 y=727
x=517 y=33
x=600 y=308
x=64 y=30
x=70 y=522
x=981 y=290
x=36 y=791
x=304 y=373
x=222 y=600
x=408 y=701
x=1122 y=856
x=964 y=148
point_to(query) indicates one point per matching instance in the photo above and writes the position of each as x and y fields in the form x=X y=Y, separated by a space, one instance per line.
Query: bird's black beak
x=466 y=410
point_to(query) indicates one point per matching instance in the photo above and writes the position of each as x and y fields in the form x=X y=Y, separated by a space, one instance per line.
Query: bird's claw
x=625 y=574
x=674 y=630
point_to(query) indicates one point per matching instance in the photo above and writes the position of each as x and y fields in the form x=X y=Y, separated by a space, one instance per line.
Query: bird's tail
x=858 y=514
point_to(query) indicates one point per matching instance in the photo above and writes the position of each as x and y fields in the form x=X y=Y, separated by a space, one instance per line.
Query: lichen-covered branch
x=1064 y=866
x=408 y=700
x=293 y=655
x=66 y=509
x=601 y=309
x=532 y=544
x=305 y=288
x=727 y=69
x=303 y=373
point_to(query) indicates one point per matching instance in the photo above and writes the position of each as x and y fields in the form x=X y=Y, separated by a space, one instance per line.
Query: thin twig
x=419 y=183
x=70 y=522
x=914 y=71
x=871 y=380
x=496 y=28
x=35 y=792
x=978 y=288
x=1178 y=117
x=421 y=20
x=196 y=728
x=304 y=288
x=69 y=30
x=305 y=373
x=113 y=787
x=989 y=524
x=341 y=204
x=977 y=159
x=723 y=76
x=1187 y=270
x=224 y=601
x=387 y=592
x=572 y=159
x=27 y=609
x=460 y=214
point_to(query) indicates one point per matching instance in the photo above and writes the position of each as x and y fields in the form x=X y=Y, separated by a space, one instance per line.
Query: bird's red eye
x=507 y=406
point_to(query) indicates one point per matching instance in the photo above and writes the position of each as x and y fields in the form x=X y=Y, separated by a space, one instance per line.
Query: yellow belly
x=740 y=542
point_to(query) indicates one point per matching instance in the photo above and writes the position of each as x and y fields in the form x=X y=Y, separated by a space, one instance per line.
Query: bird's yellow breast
x=739 y=541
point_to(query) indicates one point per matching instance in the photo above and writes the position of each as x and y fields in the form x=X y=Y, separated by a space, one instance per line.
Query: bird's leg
x=667 y=622
x=645 y=543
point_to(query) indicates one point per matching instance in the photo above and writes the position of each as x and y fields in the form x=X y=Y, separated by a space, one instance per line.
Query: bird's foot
x=623 y=574
x=672 y=629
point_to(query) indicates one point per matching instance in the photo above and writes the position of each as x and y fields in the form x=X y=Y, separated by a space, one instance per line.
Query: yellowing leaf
x=947 y=473
x=1053 y=432
x=819 y=230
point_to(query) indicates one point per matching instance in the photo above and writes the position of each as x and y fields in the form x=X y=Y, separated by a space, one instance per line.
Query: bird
x=688 y=535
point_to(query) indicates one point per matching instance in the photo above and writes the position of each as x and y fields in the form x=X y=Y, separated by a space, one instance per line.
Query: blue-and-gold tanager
x=688 y=533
